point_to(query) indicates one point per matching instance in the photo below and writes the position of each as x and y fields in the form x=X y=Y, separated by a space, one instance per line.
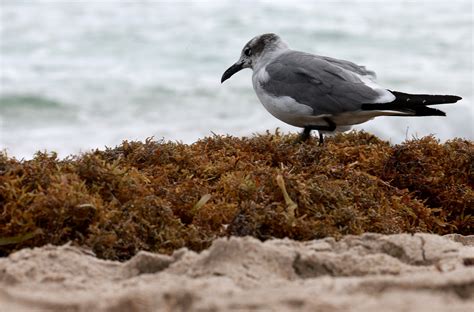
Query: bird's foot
x=304 y=136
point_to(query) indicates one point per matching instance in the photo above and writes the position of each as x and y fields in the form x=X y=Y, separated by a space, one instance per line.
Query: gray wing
x=361 y=70
x=327 y=87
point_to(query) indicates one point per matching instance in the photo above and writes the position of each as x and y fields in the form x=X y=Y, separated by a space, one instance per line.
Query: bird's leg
x=321 y=138
x=331 y=126
x=306 y=134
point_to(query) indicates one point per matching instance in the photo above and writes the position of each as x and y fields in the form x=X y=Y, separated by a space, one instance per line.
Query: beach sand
x=372 y=272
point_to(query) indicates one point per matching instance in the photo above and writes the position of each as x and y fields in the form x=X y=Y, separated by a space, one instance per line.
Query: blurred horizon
x=80 y=75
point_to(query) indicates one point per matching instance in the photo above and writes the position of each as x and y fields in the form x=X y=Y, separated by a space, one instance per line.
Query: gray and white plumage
x=322 y=93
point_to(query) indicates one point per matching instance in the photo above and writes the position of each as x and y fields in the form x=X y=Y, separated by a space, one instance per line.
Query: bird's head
x=254 y=52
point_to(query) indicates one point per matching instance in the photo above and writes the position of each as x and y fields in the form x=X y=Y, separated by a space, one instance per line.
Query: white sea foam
x=82 y=75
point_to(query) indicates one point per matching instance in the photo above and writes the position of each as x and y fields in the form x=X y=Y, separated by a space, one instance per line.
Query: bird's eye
x=247 y=51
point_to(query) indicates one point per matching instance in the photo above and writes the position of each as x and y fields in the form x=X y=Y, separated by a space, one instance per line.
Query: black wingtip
x=447 y=99
x=423 y=99
x=427 y=111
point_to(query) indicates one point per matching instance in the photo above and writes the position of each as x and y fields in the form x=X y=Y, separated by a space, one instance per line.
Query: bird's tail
x=414 y=104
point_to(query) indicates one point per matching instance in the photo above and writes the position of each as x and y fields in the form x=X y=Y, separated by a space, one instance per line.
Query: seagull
x=322 y=93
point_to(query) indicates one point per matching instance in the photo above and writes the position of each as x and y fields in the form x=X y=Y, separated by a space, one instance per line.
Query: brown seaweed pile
x=161 y=196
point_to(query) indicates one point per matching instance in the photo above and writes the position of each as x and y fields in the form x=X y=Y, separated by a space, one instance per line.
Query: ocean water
x=80 y=75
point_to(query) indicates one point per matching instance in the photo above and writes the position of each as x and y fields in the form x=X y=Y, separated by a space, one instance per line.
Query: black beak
x=230 y=71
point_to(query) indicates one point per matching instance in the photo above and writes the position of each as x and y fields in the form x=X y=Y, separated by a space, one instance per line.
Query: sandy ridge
x=372 y=272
